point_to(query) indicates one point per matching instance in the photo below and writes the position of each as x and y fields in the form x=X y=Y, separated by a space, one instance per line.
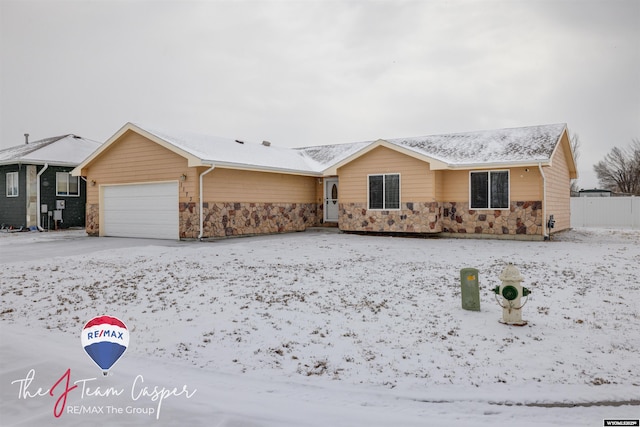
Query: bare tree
x=575 y=149
x=620 y=169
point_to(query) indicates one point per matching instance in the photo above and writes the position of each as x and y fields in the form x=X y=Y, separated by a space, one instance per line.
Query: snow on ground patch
x=362 y=309
x=359 y=311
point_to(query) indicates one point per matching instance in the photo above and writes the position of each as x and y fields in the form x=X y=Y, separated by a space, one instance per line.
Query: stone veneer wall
x=236 y=219
x=522 y=218
x=413 y=217
x=232 y=219
x=92 y=224
x=223 y=219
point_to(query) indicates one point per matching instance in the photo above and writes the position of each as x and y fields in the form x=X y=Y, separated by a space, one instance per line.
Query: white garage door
x=141 y=210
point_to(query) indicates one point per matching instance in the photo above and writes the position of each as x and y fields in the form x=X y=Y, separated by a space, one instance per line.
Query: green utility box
x=470 y=289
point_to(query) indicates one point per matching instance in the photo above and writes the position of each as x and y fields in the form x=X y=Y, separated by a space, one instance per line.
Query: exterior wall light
x=183 y=177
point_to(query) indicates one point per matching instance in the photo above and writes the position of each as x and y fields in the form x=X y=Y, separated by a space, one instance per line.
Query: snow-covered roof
x=234 y=152
x=533 y=144
x=514 y=145
x=325 y=156
x=65 y=150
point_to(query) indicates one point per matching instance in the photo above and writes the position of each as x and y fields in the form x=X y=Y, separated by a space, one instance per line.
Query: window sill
x=489 y=209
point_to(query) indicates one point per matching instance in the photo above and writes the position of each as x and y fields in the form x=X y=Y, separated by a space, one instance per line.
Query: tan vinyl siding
x=455 y=186
x=559 y=186
x=230 y=185
x=135 y=159
x=439 y=177
x=524 y=186
x=417 y=181
x=319 y=190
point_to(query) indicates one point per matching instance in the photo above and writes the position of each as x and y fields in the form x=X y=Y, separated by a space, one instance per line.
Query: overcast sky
x=307 y=72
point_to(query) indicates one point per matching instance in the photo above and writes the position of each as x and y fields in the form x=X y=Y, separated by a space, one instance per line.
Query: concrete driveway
x=24 y=246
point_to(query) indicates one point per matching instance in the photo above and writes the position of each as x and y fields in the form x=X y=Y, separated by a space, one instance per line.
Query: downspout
x=544 y=203
x=38 y=213
x=85 y=198
x=202 y=203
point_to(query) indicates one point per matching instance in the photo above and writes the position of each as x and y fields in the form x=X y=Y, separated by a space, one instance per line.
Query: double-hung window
x=489 y=190
x=12 y=184
x=67 y=185
x=384 y=191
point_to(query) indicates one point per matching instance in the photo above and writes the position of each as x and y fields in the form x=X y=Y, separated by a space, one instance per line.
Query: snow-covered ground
x=321 y=328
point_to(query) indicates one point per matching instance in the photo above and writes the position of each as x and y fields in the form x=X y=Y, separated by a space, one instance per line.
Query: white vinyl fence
x=610 y=212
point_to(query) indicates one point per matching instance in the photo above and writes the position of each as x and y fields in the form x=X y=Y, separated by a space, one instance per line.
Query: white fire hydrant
x=512 y=292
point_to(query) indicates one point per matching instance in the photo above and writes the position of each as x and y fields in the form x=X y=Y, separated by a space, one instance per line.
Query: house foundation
x=92 y=219
x=523 y=218
x=413 y=217
x=226 y=219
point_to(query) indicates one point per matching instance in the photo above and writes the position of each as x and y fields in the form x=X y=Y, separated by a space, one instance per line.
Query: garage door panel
x=141 y=210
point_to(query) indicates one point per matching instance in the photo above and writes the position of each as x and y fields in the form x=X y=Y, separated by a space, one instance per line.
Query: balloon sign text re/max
x=105 y=339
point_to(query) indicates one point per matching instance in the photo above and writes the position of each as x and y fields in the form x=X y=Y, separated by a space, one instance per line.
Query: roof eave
x=192 y=160
x=255 y=168
x=494 y=165
x=573 y=167
x=37 y=162
x=78 y=170
x=435 y=164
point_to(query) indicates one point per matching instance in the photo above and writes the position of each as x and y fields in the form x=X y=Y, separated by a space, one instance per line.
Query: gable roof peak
x=236 y=153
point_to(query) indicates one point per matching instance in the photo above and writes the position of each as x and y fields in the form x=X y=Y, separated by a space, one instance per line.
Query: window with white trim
x=67 y=185
x=489 y=190
x=384 y=191
x=12 y=184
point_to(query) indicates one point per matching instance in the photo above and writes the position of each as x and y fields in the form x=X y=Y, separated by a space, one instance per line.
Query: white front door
x=331 y=199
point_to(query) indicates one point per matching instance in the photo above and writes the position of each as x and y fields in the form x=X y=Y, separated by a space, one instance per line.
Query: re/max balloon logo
x=105 y=339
